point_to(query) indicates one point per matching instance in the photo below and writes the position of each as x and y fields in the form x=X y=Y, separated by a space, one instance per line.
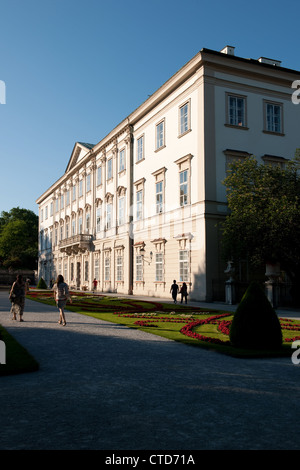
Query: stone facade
x=142 y=207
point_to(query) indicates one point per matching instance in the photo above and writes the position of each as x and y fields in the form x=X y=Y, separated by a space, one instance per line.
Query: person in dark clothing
x=174 y=291
x=17 y=298
x=183 y=292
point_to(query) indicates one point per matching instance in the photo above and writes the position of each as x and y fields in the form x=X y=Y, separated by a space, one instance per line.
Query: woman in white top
x=61 y=295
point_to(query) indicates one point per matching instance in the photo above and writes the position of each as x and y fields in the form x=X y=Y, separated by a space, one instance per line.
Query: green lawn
x=167 y=320
x=18 y=360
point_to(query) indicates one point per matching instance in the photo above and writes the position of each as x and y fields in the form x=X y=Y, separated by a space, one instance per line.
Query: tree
x=263 y=224
x=19 y=239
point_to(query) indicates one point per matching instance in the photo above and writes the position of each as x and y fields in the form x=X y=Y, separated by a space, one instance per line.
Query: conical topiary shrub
x=41 y=284
x=255 y=324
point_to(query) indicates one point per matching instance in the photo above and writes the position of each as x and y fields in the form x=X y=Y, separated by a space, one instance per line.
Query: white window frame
x=121 y=211
x=96 y=268
x=139 y=268
x=109 y=210
x=86 y=270
x=159 y=196
x=119 y=265
x=236 y=114
x=160 y=135
x=109 y=169
x=159 y=271
x=88 y=182
x=184 y=118
x=121 y=160
x=87 y=222
x=107 y=267
x=66 y=271
x=140 y=149
x=270 y=117
x=184 y=265
x=98 y=219
x=99 y=175
x=184 y=187
x=139 y=204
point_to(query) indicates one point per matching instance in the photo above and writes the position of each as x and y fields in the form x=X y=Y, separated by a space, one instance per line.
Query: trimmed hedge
x=255 y=324
x=42 y=284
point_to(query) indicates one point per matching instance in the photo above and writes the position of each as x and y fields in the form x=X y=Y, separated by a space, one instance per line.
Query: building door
x=78 y=276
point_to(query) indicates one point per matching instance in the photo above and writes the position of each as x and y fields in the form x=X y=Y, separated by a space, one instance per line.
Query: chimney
x=228 y=50
x=265 y=60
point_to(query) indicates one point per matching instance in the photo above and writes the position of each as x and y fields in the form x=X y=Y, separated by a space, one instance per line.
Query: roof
x=86 y=145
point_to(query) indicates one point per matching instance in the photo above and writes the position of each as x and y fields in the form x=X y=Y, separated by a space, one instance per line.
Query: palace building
x=141 y=207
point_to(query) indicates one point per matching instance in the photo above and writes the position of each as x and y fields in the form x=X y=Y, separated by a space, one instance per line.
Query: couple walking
x=183 y=292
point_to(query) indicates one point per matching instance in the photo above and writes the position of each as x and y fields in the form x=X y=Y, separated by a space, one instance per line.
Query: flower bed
x=148 y=320
x=188 y=330
x=147 y=313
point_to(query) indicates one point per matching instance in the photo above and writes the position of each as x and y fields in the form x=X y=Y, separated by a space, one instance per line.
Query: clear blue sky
x=74 y=69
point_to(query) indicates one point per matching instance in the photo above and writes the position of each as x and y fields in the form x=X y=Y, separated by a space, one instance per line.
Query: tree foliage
x=263 y=224
x=18 y=239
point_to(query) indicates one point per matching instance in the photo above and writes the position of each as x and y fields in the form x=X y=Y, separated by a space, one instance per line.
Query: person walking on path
x=183 y=292
x=17 y=298
x=174 y=291
x=61 y=296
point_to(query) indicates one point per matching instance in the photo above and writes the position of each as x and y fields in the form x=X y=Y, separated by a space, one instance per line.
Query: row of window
x=77 y=227
x=184 y=268
x=160 y=131
x=237 y=113
x=184 y=192
x=184 y=126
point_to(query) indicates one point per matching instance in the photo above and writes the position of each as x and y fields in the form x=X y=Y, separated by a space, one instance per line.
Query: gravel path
x=103 y=386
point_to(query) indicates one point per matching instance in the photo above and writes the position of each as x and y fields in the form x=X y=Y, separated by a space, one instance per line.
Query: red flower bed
x=146 y=321
x=288 y=325
x=188 y=330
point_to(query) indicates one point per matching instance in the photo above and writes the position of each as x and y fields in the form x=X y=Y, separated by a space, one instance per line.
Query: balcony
x=76 y=244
